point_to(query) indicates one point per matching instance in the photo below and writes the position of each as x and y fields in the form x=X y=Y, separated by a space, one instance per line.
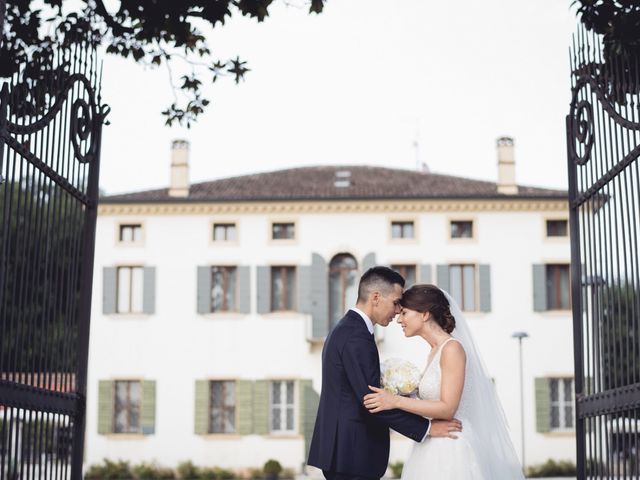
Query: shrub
x=188 y=471
x=396 y=469
x=552 y=468
x=255 y=474
x=288 y=474
x=223 y=474
x=272 y=467
x=147 y=471
x=109 y=470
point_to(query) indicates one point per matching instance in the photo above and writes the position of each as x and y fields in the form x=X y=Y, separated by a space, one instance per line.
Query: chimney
x=179 y=169
x=506 y=167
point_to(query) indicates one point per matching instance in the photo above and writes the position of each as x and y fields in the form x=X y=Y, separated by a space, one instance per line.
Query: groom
x=349 y=443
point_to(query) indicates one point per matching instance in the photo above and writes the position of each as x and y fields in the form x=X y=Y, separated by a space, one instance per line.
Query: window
x=222 y=404
x=283 y=280
x=282 y=406
x=223 y=289
x=130 y=233
x=561 y=403
x=224 y=232
x=343 y=285
x=127 y=407
x=283 y=231
x=557 y=228
x=408 y=272
x=462 y=229
x=462 y=285
x=558 y=296
x=130 y=289
x=402 y=230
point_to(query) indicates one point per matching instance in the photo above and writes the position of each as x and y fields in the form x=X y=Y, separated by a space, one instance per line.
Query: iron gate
x=603 y=138
x=50 y=125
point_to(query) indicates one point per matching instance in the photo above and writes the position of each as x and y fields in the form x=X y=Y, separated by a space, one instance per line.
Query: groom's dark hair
x=381 y=279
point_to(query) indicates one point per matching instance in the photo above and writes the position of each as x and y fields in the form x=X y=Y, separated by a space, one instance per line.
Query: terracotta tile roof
x=319 y=183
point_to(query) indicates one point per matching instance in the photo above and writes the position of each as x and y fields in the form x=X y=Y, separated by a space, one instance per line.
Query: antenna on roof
x=421 y=166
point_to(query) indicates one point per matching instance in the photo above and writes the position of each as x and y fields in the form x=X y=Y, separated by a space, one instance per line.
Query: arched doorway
x=343 y=286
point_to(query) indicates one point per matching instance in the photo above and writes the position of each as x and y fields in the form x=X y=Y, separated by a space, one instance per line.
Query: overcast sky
x=359 y=84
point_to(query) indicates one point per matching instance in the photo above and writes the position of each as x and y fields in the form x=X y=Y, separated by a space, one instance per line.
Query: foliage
x=255 y=474
x=38 y=319
x=552 y=468
x=396 y=468
x=146 y=471
x=109 y=470
x=288 y=474
x=621 y=353
x=188 y=471
x=618 y=22
x=216 y=473
x=149 y=32
x=272 y=466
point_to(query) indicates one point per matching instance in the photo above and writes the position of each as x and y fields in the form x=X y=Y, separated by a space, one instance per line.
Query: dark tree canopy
x=618 y=21
x=150 y=32
x=617 y=67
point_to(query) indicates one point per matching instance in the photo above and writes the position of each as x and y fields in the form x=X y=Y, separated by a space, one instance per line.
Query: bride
x=454 y=382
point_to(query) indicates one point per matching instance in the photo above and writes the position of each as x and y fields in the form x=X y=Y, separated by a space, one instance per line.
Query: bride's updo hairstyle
x=429 y=298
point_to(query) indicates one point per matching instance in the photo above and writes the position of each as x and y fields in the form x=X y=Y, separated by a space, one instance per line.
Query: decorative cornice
x=363 y=206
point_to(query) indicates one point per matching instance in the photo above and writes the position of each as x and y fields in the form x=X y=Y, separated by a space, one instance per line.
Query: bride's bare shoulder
x=453 y=351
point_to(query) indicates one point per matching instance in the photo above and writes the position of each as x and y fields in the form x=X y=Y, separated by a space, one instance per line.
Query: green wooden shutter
x=202 y=407
x=263 y=288
x=319 y=296
x=149 y=290
x=244 y=407
x=425 y=274
x=539 y=288
x=307 y=409
x=442 y=277
x=261 y=407
x=109 y=290
x=543 y=405
x=244 y=289
x=368 y=261
x=204 y=289
x=303 y=289
x=148 y=413
x=484 y=276
x=106 y=397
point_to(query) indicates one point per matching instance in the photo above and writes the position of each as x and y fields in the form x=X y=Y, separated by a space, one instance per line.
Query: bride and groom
x=456 y=420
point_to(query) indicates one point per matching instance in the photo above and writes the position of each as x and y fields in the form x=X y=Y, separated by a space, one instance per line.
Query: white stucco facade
x=176 y=346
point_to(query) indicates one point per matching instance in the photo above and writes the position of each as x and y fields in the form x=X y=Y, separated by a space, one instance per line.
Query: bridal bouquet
x=399 y=376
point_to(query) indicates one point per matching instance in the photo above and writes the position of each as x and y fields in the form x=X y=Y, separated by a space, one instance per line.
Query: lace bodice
x=430 y=384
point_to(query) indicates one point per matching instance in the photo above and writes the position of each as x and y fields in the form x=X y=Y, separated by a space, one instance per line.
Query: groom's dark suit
x=347 y=439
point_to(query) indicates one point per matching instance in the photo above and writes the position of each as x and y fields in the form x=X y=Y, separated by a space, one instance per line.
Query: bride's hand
x=380 y=400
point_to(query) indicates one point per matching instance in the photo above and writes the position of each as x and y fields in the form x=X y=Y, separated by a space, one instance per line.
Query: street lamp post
x=520 y=336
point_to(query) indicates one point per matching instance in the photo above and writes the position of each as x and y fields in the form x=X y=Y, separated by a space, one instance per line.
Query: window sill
x=283 y=314
x=560 y=434
x=130 y=244
x=129 y=316
x=221 y=436
x=284 y=436
x=223 y=315
x=555 y=313
x=462 y=240
x=126 y=436
x=225 y=243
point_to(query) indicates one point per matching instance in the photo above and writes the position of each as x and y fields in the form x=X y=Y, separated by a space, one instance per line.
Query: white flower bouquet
x=399 y=377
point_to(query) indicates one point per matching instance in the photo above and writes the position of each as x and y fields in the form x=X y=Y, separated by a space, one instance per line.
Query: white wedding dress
x=444 y=458
x=483 y=450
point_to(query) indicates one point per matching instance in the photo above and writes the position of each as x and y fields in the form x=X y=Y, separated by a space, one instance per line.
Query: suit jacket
x=347 y=438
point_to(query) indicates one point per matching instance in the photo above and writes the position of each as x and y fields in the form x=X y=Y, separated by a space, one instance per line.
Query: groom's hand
x=445 y=428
